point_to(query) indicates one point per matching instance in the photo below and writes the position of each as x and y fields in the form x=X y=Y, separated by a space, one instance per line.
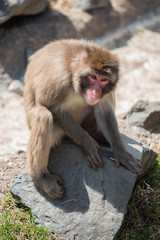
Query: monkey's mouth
x=93 y=95
x=94 y=92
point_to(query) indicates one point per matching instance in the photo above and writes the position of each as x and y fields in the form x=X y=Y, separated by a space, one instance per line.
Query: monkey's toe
x=52 y=185
x=55 y=195
x=137 y=169
x=94 y=162
x=134 y=165
x=55 y=188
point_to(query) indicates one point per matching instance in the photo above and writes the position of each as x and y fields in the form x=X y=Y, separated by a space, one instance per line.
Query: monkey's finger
x=92 y=164
x=135 y=165
x=132 y=165
x=60 y=181
x=127 y=164
x=134 y=160
x=136 y=170
x=117 y=163
x=97 y=160
x=123 y=161
x=88 y=163
x=96 y=144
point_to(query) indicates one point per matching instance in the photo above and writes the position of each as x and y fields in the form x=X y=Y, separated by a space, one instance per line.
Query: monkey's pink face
x=96 y=84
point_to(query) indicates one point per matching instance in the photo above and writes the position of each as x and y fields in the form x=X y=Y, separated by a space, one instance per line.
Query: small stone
x=144 y=114
x=16 y=86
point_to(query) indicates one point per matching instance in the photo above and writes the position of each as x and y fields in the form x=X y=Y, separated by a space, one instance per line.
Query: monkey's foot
x=52 y=185
x=127 y=160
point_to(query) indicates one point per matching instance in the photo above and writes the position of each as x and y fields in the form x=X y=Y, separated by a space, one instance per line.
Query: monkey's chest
x=77 y=107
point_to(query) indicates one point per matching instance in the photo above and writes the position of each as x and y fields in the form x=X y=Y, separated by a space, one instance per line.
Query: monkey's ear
x=82 y=56
x=79 y=59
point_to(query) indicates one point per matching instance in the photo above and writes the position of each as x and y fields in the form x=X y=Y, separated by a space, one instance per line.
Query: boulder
x=95 y=202
x=144 y=114
x=10 y=8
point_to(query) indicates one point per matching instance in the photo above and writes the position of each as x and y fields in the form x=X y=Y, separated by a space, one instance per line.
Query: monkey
x=70 y=84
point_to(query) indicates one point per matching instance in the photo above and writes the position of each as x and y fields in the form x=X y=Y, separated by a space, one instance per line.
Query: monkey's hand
x=90 y=149
x=127 y=160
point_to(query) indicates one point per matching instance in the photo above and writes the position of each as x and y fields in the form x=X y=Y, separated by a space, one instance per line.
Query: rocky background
x=131 y=28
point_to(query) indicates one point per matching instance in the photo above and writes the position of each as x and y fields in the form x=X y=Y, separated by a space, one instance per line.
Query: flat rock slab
x=95 y=201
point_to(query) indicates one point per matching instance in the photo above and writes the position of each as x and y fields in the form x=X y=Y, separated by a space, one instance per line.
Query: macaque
x=69 y=85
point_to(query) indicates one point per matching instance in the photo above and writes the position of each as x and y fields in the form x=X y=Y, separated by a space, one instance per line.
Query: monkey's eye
x=93 y=77
x=104 y=79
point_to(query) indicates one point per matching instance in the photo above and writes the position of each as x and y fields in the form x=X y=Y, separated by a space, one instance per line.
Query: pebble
x=16 y=86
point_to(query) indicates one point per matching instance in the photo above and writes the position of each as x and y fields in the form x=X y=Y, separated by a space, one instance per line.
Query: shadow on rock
x=85 y=185
x=82 y=182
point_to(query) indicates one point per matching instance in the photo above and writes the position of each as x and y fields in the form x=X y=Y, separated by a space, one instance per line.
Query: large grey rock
x=91 y=4
x=95 y=201
x=10 y=8
x=144 y=114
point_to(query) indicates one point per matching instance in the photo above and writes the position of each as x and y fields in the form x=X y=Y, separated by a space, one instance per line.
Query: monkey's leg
x=107 y=123
x=39 y=146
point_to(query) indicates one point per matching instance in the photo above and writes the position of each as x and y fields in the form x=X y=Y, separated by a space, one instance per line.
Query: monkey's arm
x=89 y=146
x=107 y=123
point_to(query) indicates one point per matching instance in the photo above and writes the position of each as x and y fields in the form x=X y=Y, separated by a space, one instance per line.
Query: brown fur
x=55 y=107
